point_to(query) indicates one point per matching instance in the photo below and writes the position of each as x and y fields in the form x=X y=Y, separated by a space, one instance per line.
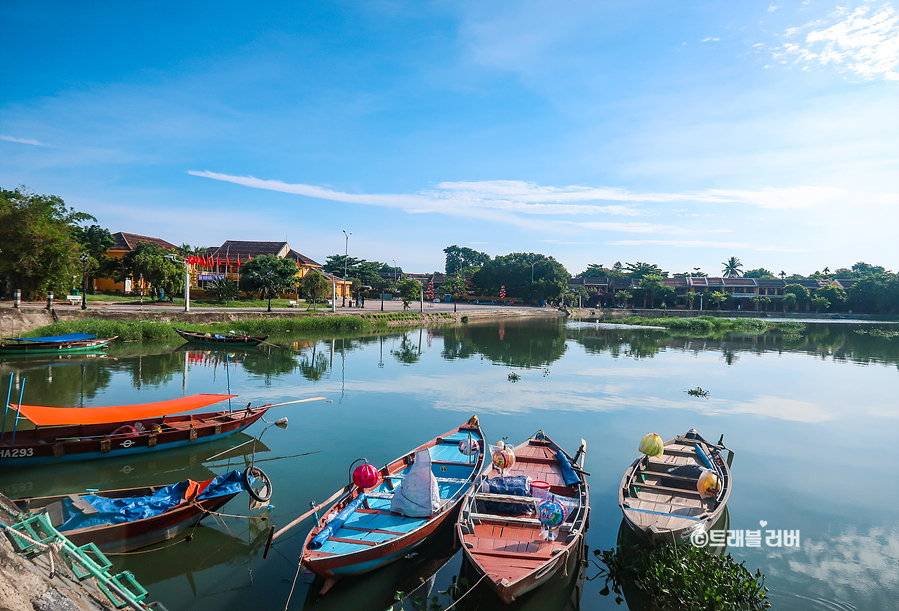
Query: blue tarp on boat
x=117 y=511
x=56 y=339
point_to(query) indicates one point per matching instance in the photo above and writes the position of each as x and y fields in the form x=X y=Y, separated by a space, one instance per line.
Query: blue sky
x=675 y=133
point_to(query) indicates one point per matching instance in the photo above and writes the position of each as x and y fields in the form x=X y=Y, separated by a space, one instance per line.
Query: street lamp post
x=394 y=271
x=83 y=259
x=346 y=250
x=186 y=280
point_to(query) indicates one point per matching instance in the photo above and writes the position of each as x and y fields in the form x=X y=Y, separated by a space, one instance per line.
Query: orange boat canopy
x=48 y=416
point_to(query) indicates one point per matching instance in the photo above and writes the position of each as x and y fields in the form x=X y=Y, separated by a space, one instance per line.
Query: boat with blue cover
x=369 y=528
x=55 y=344
x=123 y=520
x=221 y=341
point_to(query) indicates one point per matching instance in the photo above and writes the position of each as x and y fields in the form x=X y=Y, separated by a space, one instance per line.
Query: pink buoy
x=365 y=476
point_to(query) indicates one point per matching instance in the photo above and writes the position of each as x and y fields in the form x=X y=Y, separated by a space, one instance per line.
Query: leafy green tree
x=650 y=288
x=452 y=285
x=38 y=251
x=760 y=300
x=514 y=271
x=96 y=241
x=269 y=275
x=623 y=297
x=834 y=295
x=594 y=270
x=150 y=260
x=732 y=268
x=316 y=286
x=820 y=303
x=759 y=272
x=802 y=293
x=789 y=301
x=718 y=298
x=782 y=274
x=689 y=298
x=458 y=258
x=410 y=290
x=223 y=290
x=640 y=270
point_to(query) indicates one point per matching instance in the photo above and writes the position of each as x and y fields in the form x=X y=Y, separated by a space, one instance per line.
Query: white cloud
x=784 y=198
x=23 y=141
x=863 y=41
x=680 y=243
x=772 y=8
x=776 y=249
x=709 y=38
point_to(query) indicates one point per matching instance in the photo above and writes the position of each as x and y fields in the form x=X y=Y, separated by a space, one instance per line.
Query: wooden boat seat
x=54 y=513
x=498 y=518
x=83 y=506
x=648 y=486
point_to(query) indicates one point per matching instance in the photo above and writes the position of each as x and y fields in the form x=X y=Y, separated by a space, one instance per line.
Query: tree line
x=42 y=242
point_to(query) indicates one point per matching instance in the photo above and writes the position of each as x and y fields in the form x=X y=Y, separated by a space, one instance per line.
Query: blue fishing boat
x=55 y=344
x=403 y=505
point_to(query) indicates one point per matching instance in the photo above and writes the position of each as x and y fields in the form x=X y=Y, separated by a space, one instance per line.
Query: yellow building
x=232 y=254
x=125 y=243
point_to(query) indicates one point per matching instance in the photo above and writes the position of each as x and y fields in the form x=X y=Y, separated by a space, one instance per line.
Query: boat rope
x=293 y=585
x=467 y=592
x=53 y=547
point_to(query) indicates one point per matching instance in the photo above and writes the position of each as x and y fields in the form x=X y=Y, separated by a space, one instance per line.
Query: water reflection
x=534 y=343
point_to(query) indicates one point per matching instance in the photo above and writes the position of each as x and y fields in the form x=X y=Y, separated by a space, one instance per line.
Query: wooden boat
x=664 y=506
x=221 y=341
x=371 y=536
x=507 y=546
x=64 y=434
x=57 y=344
x=117 y=528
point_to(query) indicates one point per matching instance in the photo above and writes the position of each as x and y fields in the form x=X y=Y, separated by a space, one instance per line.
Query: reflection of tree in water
x=269 y=363
x=151 y=370
x=533 y=343
x=840 y=342
x=57 y=382
x=409 y=351
x=313 y=366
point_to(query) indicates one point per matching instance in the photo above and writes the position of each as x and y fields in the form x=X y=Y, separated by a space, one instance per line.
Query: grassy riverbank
x=144 y=329
x=712 y=324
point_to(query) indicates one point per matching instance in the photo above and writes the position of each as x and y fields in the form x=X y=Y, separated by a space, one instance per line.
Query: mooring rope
x=469 y=590
x=293 y=585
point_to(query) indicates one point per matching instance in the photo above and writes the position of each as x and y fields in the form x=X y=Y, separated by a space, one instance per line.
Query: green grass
x=119 y=298
x=712 y=324
x=150 y=330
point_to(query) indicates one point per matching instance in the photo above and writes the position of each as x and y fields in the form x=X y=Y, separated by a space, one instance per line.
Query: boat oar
x=275 y=534
x=269 y=344
x=297 y=401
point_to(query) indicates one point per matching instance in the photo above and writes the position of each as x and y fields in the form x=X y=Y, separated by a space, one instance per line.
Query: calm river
x=813 y=420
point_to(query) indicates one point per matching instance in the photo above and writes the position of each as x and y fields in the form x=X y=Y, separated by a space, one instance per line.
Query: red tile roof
x=129 y=241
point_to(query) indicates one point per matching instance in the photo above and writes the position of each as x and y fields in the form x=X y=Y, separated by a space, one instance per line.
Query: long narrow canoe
x=222 y=341
x=508 y=546
x=659 y=496
x=63 y=344
x=123 y=520
x=65 y=434
x=372 y=536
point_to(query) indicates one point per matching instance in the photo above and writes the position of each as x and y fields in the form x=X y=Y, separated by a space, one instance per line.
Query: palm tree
x=732 y=268
x=782 y=274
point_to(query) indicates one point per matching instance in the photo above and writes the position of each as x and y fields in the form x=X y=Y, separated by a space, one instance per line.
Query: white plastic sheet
x=418 y=496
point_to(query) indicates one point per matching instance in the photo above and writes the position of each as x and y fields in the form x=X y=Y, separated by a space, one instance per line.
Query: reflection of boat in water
x=561 y=593
x=376 y=590
x=630 y=545
x=208 y=547
x=128 y=471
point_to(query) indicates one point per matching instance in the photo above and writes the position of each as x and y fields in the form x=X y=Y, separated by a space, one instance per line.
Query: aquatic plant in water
x=684 y=578
x=698 y=392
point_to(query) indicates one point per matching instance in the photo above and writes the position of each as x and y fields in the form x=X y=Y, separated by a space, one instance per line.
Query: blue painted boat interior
x=447 y=450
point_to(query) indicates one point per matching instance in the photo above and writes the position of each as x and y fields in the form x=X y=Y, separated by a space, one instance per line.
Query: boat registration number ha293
x=17 y=453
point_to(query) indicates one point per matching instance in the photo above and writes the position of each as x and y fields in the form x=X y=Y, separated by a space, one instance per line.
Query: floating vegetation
x=684 y=578
x=710 y=324
x=455 y=592
x=878 y=333
x=514 y=377
x=698 y=392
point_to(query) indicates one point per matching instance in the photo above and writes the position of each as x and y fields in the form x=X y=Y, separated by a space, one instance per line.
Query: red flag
x=249 y=257
x=238 y=262
x=218 y=260
x=227 y=260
